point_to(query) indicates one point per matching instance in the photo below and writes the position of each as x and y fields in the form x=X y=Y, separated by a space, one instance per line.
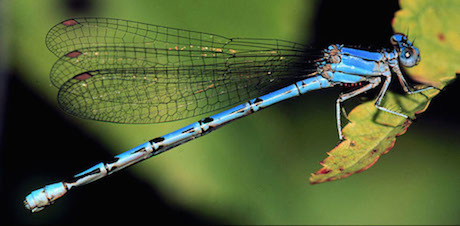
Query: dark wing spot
x=83 y=76
x=70 y=22
x=73 y=54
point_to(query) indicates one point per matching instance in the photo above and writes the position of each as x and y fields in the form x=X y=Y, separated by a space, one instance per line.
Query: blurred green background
x=254 y=170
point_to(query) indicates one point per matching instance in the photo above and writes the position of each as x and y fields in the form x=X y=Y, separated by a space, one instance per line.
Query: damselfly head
x=409 y=56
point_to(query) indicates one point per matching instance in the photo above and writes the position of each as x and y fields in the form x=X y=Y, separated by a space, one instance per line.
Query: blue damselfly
x=128 y=72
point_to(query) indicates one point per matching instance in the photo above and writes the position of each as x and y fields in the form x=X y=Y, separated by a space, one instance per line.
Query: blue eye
x=409 y=57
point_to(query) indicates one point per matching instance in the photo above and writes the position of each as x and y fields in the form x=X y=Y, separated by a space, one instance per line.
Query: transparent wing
x=129 y=72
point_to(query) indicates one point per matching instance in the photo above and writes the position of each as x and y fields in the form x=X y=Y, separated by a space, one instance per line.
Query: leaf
x=371 y=132
x=434 y=25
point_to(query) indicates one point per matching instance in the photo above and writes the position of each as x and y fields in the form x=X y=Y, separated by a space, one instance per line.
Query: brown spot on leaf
x=441 y=37
x=352 y=143
x=323 y=171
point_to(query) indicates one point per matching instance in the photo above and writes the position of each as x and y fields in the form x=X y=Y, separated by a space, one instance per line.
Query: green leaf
x=371 y=132
x=435 y=26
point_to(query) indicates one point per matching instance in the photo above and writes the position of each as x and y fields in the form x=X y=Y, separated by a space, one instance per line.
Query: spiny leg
x=405 y=85
x=382 y=94
x=373 y=82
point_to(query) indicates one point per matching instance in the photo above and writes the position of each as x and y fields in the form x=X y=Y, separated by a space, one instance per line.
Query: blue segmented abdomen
x=211 y=123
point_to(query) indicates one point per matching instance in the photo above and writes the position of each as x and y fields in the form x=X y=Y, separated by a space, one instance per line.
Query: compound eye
x=408 y=57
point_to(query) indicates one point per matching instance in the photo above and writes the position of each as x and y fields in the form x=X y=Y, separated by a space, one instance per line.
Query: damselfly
x=128 y=72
